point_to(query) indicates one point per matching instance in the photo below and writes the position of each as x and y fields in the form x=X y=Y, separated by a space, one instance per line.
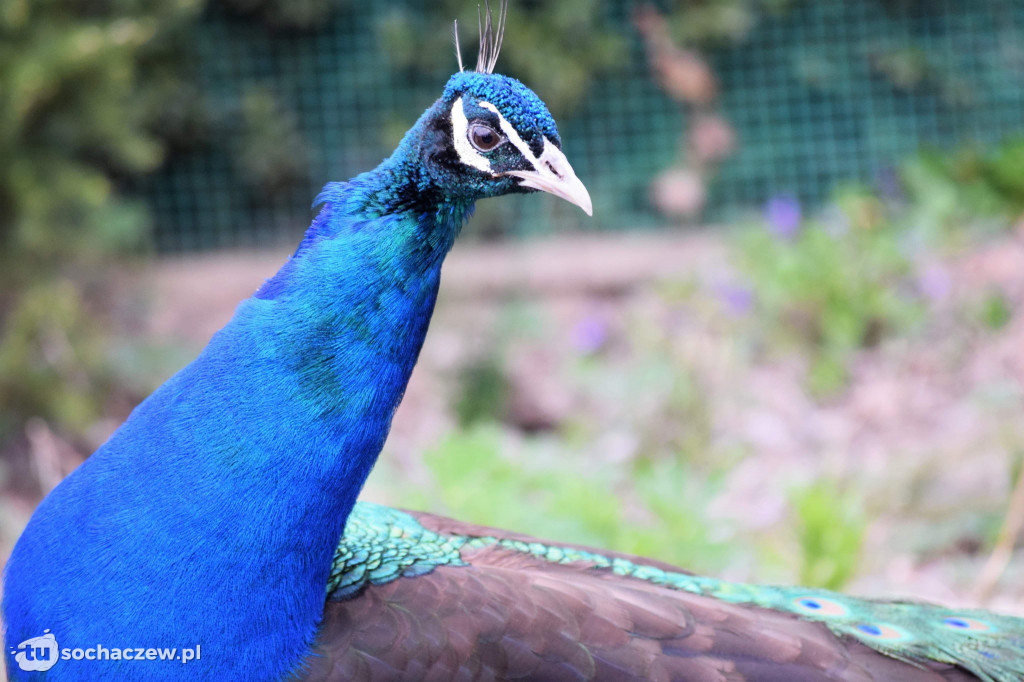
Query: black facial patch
x=437 y=142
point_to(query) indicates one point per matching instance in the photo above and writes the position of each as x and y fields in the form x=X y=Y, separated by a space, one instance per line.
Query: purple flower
x=887 y=180
x=784 y=215
x=738 y=299
x=589 y=334
x=935 y=283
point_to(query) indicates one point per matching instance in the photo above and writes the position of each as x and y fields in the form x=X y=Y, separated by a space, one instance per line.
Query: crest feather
x=491 y=36
x=458 y=52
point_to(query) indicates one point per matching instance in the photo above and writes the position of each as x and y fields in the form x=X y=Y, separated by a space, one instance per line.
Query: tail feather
x=505 y=602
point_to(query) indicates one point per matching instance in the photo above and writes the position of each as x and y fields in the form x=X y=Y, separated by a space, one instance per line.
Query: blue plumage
x=210 y=521
x=212 y=515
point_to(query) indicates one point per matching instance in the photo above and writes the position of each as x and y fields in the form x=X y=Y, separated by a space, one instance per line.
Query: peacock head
x=503 y=140
x=492 y=135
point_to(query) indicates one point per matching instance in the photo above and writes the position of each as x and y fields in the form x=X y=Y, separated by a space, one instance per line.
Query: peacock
x=210 y=521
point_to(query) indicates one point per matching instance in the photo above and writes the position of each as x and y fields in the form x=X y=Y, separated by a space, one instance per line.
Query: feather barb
x=491 y=35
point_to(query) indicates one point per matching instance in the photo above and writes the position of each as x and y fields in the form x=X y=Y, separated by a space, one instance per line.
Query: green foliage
x=996 y=311
x=536 y=486
x=830 y=528
x=287 y=14
x=706 y=23
x=1004 y=170
x=483 y=392
x=842 y=283
x=675 y=495
x=911 y=68
x=830 y=292
x=271 y=154
x=81 y=89
x=947 y=189
x=52 y=360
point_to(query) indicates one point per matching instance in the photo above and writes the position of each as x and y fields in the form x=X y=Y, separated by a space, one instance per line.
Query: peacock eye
x=483 y=137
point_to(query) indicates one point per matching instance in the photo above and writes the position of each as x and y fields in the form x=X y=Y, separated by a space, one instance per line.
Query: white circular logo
x=38 y=653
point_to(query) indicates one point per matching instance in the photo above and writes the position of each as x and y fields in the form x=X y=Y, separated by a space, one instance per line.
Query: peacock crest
x=491 y=36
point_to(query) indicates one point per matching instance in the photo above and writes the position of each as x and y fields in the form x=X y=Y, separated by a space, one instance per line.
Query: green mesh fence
x=821 y=93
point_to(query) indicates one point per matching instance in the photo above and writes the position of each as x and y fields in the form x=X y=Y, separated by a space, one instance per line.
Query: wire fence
x=822 y=93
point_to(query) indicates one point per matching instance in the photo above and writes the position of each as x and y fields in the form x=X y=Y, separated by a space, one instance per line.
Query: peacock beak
x=553 y=174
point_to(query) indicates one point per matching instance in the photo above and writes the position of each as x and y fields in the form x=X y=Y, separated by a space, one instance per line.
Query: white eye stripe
x=513 y=136
x=460 y=137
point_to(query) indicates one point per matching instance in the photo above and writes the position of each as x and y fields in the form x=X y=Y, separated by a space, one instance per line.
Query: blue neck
x=243 y=467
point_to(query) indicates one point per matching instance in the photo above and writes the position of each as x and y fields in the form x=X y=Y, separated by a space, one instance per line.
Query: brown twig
x=999 y=559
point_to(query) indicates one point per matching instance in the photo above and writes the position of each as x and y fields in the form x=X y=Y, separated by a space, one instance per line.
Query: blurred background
x=789 y=346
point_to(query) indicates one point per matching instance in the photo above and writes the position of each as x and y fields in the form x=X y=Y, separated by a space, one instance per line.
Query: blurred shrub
x=82 y=87
x=842 y=282
x=910 y=68
x=1003 y=169
x=830 y=289
x=706 y=23
x=51 y=359
x=996 y=310
x=946 y=191
x=536 y=485
x=830 y=529
x=287 y=14
x=270 y=152
x=483 y=391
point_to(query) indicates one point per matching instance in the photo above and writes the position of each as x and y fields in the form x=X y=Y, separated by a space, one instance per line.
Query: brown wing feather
x=511 y=616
